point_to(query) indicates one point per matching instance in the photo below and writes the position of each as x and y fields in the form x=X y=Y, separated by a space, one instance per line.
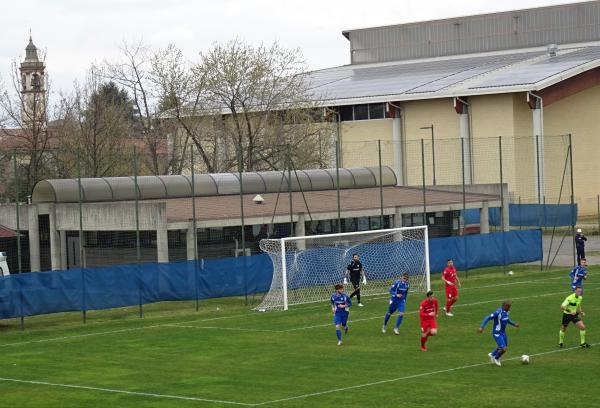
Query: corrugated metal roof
x=205 y=185
x=500 y=72
x=561 y=24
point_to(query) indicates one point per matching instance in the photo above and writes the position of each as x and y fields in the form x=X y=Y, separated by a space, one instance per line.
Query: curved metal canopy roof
x=177 y=186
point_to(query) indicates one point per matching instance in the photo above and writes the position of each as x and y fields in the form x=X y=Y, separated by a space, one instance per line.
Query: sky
x=76 y=33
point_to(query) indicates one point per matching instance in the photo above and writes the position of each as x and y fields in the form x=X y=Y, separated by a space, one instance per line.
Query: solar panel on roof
x=494 y=64
x=538 y=71
x=412 y=78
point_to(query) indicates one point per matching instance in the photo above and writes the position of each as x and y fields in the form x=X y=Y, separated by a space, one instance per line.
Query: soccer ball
x=510 y=273
x=524 y=359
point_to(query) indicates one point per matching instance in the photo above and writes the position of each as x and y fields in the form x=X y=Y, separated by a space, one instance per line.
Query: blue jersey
x=577 y=275
x=501 y=319
x=399 y=287
x=340 y=302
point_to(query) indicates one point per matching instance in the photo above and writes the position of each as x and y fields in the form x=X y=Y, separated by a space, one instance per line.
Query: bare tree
x=133 y=73
x=263 y=99
x=181 y=106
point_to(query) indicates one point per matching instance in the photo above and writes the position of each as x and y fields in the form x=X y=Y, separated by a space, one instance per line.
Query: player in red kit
x=451 y=280
x=428 y=311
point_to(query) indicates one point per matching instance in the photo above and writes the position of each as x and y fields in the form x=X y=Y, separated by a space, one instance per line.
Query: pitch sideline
x=109 y=332
x=247 y=404
x=408 y=377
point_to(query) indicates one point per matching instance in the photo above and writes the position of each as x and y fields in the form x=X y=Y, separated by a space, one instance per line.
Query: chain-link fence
x=101 y=211
x=531 y=172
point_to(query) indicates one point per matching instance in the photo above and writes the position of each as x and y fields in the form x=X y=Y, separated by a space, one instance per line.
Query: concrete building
x=108 y=214
x=525 y=75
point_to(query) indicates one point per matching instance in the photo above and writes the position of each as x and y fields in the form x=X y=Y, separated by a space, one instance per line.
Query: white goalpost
x=306 y=268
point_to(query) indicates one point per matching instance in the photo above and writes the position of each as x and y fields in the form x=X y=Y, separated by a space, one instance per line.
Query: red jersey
x=427 y=307
x=449 y=274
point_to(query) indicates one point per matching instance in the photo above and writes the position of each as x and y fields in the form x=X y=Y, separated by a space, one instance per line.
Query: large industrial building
x=437 y=95
x=525 y=75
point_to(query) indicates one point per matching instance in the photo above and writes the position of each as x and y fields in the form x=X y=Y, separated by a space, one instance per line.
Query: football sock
x=358 y=295
x=423 y=341
x=561 y=336
x=582 y=336
x=494 y=353
x=387 y=318
x=338 y=333
x=399 y=321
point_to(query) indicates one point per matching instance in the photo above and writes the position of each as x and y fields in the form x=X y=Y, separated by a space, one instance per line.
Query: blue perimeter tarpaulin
x=530 y=215
x=35 y=293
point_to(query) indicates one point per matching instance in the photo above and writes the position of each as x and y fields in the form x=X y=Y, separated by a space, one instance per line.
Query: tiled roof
x=226 y=207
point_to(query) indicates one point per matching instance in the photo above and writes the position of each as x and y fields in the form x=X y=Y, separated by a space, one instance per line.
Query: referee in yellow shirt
x=572 y=312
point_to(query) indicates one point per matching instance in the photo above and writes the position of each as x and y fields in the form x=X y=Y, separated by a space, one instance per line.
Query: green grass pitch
x=226 y=355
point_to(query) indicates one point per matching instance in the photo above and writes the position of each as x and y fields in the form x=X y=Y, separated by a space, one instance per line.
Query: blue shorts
x=501 y=339
x=397 y=306
x=341 y=318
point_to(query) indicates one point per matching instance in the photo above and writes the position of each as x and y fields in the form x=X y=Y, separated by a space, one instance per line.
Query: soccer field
x=226 y=355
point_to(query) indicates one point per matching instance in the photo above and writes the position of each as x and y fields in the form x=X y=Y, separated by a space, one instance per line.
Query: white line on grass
x=222 y=328
x=116 y=391
x=77 y=336
x=248 y=404
x=104 y=333
x=408 y=377
x=415 y=312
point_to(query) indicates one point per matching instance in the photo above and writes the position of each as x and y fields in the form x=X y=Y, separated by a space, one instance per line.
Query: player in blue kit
x=340 y=303
x=501 y=318
x=398 y=294
x=578 y=275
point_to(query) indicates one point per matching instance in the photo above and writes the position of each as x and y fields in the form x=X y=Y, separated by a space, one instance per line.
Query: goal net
x=305 y=269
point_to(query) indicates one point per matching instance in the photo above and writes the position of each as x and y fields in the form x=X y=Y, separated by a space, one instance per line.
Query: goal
x=306 y=268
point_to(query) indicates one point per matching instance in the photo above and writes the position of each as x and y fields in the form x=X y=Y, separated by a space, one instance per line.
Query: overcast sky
x=75 y=33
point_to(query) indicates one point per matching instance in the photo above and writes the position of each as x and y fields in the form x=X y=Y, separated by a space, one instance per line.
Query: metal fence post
x=337 y=184
x=194 y=226
x=241 y=172
x=289 y=177
x=502 y=231
x=240 y=157
x=81 y=253
x=433 y=155
x=19 y=264
x=598 y=202
x=520 y=216
x=138 y=254
x=464 y=197
x=380 y=184
x=18 y=215
x=423 y=180
x=573 y=220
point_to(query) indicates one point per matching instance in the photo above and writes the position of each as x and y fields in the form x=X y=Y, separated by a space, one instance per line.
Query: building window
x=361 y=112
x=346 y=113
x=376 y=111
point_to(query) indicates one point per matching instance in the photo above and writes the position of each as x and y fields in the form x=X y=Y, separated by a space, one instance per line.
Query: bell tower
x=33 y=88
